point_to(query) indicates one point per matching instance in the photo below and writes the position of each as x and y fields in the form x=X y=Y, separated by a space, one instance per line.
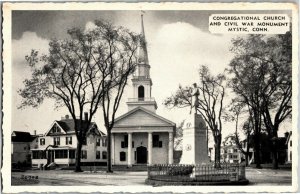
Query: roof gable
x=142 y=117
x=21 y=136
x=67 y=126
x=55 y=129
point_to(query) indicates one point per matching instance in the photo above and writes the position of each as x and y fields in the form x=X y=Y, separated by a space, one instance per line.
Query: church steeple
x=142 y=53
x=141 y=82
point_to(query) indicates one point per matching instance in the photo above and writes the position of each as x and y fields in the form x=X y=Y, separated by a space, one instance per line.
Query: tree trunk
x=78 y=157
x=257 y=150
x=217 y=150
x=274 y=149
x=109 y=170
x=257 y=139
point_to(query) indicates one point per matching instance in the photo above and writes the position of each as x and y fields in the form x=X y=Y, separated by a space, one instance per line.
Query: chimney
x=34 y=132
x=86 y=116
x=67 y=117
x=286 y=134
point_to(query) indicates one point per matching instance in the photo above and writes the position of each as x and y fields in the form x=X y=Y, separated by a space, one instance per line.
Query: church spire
x=141 y=81
x=143 y=54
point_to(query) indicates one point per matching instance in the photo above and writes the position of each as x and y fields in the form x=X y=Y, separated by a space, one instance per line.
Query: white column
x=149 y=148
x=129 y=149
x=171 y=147
x=112 y=147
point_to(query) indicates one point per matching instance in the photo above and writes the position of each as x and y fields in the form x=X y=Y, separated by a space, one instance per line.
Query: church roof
x=159 y=120
x=142 y=52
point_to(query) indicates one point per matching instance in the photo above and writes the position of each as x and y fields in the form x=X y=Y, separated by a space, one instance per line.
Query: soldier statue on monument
x=194 y=94
x=194 y=140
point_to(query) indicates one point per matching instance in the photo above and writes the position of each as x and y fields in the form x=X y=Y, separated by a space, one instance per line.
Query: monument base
x=194 y=141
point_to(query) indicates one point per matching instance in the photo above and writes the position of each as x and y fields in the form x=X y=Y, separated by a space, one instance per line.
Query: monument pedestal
x=194 y=141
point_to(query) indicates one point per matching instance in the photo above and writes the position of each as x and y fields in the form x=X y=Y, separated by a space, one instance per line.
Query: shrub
x=180 y=170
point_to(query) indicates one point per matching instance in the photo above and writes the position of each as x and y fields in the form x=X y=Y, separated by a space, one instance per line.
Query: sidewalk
x=125 y=178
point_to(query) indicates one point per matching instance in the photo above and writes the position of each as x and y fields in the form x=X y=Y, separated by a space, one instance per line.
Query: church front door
x=141 y=155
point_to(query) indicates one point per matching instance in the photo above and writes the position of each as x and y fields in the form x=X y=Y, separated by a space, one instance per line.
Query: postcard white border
x=6 y=170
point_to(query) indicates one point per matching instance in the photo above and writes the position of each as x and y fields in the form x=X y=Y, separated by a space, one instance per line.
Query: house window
x=38 y=154
x=61 y=153
x=156 y=143
x=97 y=154
x=42 y=141
x=68 y=140
x=124 y=144
x=104 y=142
x=235 y=150
x=98 y=141
x=83 y=154
x=291 y=143
x=56 y=129
x=104 y=155
x=71 y=154
x=56 y=140
x=84 y=141
x=122 y=156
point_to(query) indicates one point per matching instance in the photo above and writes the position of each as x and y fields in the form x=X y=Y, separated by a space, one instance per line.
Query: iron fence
x=203 y=173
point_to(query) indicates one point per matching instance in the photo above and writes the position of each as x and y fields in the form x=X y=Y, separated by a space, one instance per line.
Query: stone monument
x=194 y=140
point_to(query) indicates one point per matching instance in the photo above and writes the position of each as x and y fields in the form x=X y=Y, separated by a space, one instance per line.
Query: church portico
x=141 y=136
x=130 y=148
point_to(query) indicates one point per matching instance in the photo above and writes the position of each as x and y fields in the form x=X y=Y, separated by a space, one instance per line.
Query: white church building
x=140 y=136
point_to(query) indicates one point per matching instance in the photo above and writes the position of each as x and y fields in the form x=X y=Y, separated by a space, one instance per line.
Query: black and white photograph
x=153 y=97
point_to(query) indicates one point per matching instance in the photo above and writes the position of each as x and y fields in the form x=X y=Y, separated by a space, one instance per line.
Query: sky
x=178 y=43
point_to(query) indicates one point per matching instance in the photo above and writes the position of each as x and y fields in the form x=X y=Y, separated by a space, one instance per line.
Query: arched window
x=141 y=92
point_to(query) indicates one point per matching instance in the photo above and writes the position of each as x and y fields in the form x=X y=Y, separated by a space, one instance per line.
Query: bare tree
x=79 y=72
x=261 y=72
x=212 y=92
x=120 y=61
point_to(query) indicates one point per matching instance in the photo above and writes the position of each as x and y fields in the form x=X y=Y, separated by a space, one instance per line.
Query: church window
x=104 y=155
x=122 y=156
x=156 y=143
x=291 y=143
x=141 y=93
x=124 y=144
x=97 y=154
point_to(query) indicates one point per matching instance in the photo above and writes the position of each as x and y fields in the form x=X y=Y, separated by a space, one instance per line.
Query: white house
x=21 y=143
x=59 y=143
x=289 y=147
x=141 y=136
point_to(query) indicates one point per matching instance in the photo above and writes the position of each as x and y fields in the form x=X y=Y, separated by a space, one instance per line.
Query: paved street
x=125 y=178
